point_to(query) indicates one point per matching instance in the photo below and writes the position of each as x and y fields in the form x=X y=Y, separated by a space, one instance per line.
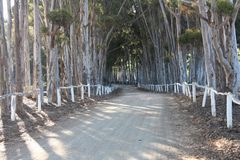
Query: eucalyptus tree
x=191 y=41
x=86 y=53
x=37 y=73
x=17 y=47
x=9 y=37
x=224 y=14
x=174 y=7
x=25 y=44
x=3 y=59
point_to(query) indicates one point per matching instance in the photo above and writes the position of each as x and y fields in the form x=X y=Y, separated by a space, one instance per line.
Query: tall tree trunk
x=18 y=65
x=86 y=54
x=183 y=73
x=27 y=73
x=3 y=61
x=207 y=45
x=38 y=83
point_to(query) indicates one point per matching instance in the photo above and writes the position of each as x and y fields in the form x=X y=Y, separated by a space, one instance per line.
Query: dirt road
x=134 y=126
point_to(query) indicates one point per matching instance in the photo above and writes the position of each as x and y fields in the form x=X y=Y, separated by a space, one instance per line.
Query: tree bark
x=18 y=65
x=38 y=82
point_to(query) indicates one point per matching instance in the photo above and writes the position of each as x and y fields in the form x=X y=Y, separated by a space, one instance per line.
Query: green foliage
x=44 y=29
x=173 y=3
x=191 y=36
x=107 y=21
x=224 y=7
x=61 y=38
x=60 y=17
x=99 y=9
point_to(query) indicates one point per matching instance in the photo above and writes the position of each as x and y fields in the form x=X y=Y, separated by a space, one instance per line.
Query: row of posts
x=207 y=92
x=210 y=92
x=101 y=90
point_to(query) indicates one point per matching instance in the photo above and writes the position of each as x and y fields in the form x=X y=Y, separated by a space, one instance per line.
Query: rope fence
x=100 y=90
x=190 y=90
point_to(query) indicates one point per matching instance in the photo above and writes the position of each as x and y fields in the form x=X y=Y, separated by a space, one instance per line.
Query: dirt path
x=134 y=126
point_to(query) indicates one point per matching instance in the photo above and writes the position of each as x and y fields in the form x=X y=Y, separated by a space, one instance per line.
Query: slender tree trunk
x=27 y=73
x=38 y=82
x=3 y=61
x=18 y=65
x=207 y=45
x=86 y=54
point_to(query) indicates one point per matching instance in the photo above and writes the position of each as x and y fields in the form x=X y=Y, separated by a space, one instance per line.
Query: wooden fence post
x=229 y=110
x=72 y=94
x=213 y=103
x=186 y=89
x=189 y=92
x=183 y=88
x=205 y=97
x=58 y=97
x=194 y=92
x=97 y=91
x=39 y=103
x=82 y=92
x=89 y=90
x=13 y=107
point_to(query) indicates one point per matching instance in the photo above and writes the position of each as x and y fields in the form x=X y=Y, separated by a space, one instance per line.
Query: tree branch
x=235 y=12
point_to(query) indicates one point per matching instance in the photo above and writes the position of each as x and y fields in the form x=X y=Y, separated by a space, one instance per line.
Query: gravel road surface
x=136 y=125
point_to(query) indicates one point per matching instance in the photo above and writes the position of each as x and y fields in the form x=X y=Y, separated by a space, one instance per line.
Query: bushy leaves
x=60 y=17
x=44 y=29
x=191 y=36
x=224 y=7
x=173 y=3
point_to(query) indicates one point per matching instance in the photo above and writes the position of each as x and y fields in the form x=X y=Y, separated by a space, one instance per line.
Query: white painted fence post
x=229 y=110
x=39 y=103
x=167 y=88
x=72 y=94
x=183 y=88
x=194 y=92
x=186 y=89
x=175 y=90
x=58 y=97
x=13 y=107
x=82 y=92
x=189 y=92
x=97 y=91
x=205 y=97
x=213 y=103
x=89 y=90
